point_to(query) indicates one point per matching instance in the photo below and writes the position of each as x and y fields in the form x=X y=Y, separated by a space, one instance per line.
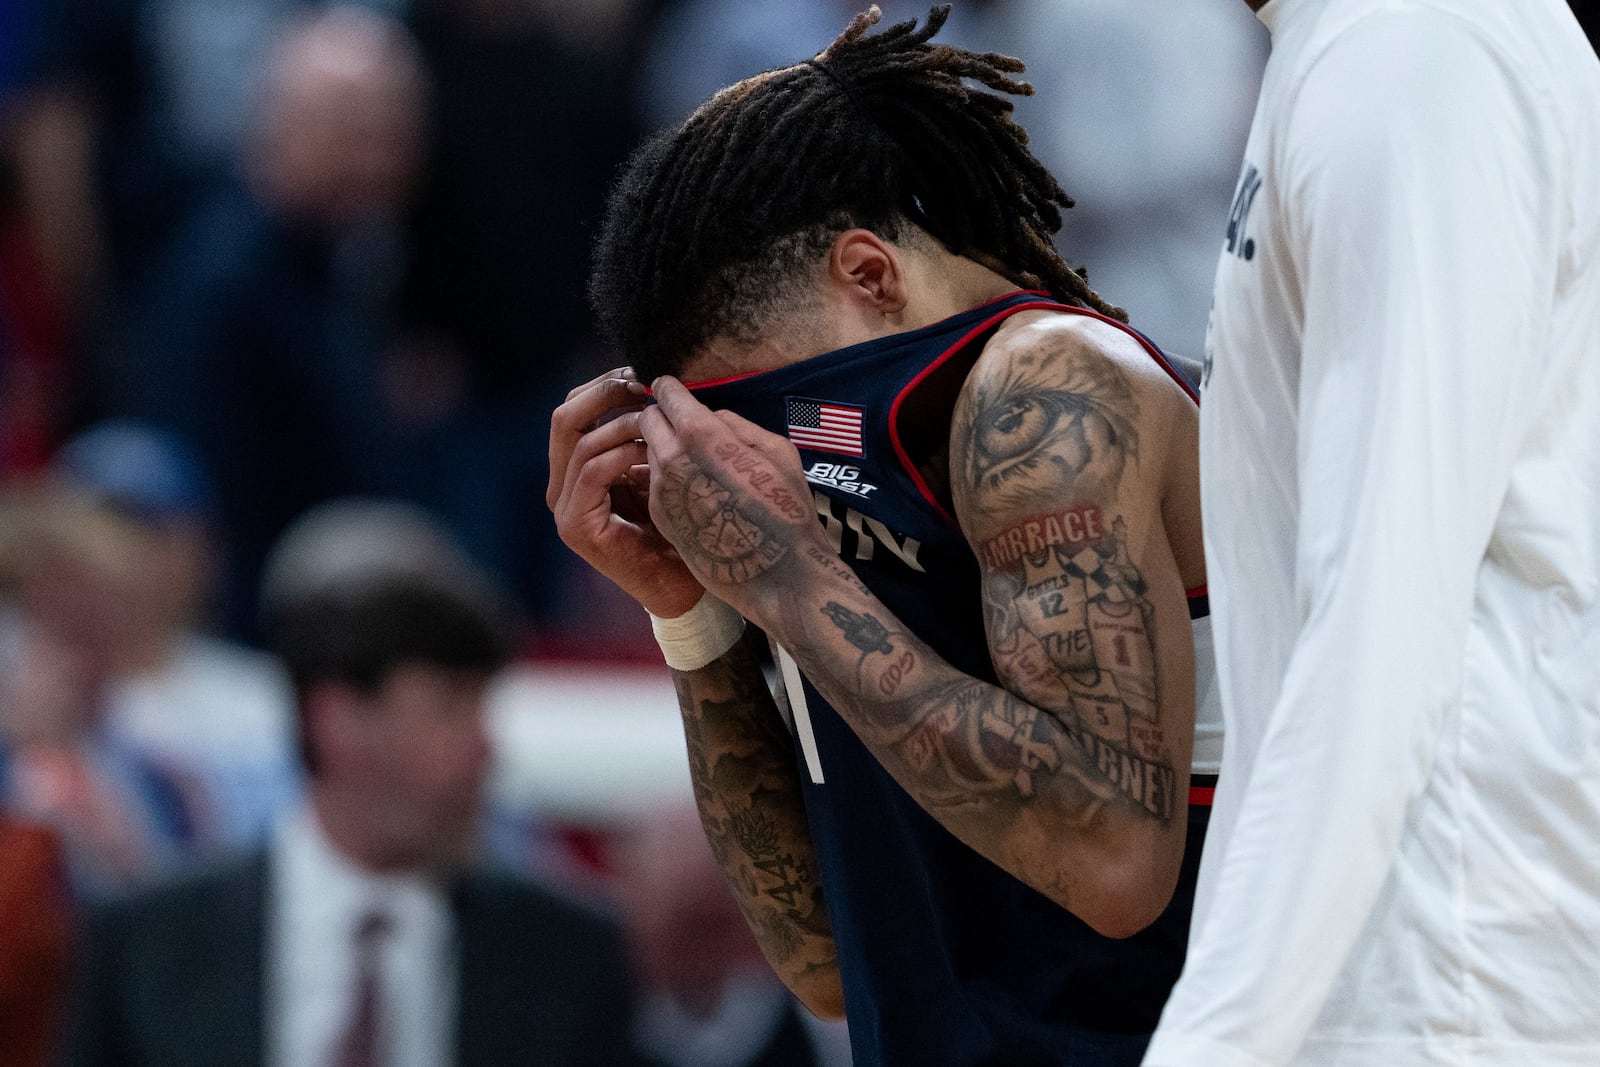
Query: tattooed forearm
x=733 y=519
x=968 y=742
x=713 y=530
x=980 y=741
x=748 y=792
x=762 y=481
x=862 y=631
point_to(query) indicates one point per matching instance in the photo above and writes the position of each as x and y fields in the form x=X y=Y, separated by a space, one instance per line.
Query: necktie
x=360 y=1044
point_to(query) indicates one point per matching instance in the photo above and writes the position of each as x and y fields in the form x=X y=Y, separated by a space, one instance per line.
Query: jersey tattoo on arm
x=1071 y=624
x=748 y=790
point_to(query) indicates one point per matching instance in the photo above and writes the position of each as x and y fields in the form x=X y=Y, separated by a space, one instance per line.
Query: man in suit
x=364 y=934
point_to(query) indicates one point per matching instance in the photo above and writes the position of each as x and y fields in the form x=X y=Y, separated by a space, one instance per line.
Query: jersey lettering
x=858 y=536
x=1244 y=198
x=840 y=476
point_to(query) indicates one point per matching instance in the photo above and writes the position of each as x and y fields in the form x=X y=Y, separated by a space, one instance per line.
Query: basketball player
x=1401 y=461
x=960 y=497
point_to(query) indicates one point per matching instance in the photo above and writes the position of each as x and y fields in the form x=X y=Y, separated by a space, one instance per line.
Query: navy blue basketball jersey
x=946 y=959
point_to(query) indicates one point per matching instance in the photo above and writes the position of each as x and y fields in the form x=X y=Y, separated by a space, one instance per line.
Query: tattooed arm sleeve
x=1034 y=774
x=1058 y=476
x=748 y=791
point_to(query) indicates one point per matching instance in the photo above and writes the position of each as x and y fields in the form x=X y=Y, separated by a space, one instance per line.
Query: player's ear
x=870 y=270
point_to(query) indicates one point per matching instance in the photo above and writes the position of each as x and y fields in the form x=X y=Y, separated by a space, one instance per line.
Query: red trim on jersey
x=1197 y=591
x=709 y=382
x=1201 y=796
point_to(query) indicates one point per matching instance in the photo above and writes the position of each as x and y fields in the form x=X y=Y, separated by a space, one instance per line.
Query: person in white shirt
x=1401 y=479
x=217 y=713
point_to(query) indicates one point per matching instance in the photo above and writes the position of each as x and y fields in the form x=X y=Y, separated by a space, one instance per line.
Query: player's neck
x=955 y=284
x=945 y=285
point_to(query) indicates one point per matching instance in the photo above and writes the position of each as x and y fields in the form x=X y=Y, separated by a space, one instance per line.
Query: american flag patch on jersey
x=825 y=427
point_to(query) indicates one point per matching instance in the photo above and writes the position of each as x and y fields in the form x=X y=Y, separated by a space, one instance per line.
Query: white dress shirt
x=224 y=716
x=1400 y=453
x=317 y=899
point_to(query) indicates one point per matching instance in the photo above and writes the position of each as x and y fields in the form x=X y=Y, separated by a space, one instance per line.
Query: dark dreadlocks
x=712 y=225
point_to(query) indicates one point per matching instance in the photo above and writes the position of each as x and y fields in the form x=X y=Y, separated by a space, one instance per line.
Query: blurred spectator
x=146 y=744
x=34 y=943
x=365 y=933
x=336 y=255
x=529 y=128
x=1141 y=112
x=339 y=131
x=79 y=577
x=355 y=535
x=708 y=998
x=219 y=712
x=219 y=184
x=135 y=115
x=278 y=326
x=699 y=46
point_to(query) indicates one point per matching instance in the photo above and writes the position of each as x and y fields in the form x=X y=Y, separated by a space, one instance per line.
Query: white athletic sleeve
x=1411 y=182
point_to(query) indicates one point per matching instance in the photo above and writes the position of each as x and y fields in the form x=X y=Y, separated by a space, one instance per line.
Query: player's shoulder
x=1080 y=354
x=1061 y=406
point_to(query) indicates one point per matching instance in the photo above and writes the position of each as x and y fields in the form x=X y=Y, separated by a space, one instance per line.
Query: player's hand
x=733 y=500
x=599 y=488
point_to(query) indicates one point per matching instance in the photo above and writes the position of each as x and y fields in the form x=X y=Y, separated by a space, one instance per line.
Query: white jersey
x=1400 y=443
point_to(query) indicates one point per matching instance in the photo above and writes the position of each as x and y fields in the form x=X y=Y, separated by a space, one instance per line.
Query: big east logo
x=840 y=476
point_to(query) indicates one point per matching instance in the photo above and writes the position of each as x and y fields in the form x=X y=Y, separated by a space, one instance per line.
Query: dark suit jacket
x=176 y=977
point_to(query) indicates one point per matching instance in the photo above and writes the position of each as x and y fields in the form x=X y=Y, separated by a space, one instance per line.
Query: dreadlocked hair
x=713 y=227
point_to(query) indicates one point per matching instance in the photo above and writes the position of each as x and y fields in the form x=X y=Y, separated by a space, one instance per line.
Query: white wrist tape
x=700 y=635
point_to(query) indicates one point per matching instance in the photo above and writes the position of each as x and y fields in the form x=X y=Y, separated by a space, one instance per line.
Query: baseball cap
x=142 y=470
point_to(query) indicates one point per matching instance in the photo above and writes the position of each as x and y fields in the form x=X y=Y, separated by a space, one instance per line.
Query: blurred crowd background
x=288 y=290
